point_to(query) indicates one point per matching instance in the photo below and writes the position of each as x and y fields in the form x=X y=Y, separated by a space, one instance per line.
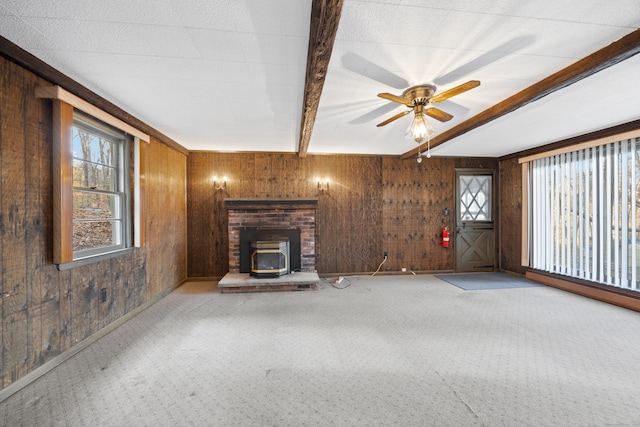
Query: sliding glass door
x=585 y=213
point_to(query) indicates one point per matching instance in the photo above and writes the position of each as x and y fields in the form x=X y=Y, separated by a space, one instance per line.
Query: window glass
x=475 y=197
x=100 y=188
x=585 y=211
x=94 y=161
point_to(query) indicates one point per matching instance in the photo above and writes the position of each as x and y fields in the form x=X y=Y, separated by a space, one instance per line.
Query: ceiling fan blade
x=438 y=114
x=396 y=117
x=455 y=91
x=396 y=98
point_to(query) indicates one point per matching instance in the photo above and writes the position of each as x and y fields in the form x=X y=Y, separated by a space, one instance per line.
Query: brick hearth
x=234 y=283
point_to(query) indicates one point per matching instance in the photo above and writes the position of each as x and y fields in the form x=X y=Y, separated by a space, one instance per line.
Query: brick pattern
x=303 y=219
x=268 y=288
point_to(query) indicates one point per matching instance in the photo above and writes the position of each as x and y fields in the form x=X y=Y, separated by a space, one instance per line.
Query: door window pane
x=475 y=197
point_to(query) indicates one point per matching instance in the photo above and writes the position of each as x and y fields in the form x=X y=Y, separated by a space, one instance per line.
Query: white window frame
x=121 y=194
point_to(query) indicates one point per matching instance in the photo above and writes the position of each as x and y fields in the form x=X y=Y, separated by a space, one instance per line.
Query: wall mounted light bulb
x=219 y=184
x=323 y=185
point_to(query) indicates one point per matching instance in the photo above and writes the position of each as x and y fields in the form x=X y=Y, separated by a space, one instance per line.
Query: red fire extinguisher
x=445 y=237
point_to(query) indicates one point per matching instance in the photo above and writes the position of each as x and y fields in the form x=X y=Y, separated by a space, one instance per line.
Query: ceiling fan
x=418 y=99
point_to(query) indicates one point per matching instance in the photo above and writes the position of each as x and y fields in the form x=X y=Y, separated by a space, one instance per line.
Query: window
x=98 y=181
x=584 y=213
x=100 y=187
x=475 y=197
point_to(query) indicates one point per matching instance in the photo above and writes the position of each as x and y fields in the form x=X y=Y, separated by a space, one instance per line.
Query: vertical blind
x=585 y=212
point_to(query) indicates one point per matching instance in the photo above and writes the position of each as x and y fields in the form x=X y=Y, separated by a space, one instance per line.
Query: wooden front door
x=475 y=240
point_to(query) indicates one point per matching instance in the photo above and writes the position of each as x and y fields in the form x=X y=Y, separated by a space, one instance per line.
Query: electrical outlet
x=404 y=270
x=385 y=255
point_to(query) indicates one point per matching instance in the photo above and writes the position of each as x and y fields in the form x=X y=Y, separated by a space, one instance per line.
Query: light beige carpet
x=387 y=350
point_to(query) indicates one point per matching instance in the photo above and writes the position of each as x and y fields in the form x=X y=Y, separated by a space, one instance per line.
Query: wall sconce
x=219 y=185
x=323 y=185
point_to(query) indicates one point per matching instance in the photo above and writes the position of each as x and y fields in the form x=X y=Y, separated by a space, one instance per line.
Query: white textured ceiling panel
x=229 y=75
x=507 y=45
x=557 y=118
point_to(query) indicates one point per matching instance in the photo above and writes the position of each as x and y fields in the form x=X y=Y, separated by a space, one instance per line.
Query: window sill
x=95 y=258
x=621 y=297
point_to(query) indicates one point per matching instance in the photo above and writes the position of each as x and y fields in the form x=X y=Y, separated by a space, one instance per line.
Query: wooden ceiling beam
x=325 y=16
x=612 y=54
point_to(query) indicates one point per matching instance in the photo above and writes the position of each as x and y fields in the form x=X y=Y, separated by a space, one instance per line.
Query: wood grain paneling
x=62 y=182
x=374 y=204
x=510 y=216
x=348 y=216
x=165 y=213
x=44 y=312
x=12 y=233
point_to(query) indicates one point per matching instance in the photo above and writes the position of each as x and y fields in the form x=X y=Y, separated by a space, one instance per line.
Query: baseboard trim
x=384 y=273
x=17 y=385
x=594 y=291
x=204 y=279
x=326 y=275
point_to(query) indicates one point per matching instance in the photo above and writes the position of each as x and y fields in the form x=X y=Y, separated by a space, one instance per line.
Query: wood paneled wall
x=165 y=201
x=44 y=312
x=374 y=204
x=511 y=216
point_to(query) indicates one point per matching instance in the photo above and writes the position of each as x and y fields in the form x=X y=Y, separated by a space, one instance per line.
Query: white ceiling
x=229 y=75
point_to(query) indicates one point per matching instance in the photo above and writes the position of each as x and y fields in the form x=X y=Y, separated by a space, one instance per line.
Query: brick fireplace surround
x=273 y=214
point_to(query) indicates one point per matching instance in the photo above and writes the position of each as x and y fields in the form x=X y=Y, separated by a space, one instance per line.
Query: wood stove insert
x=270 y=258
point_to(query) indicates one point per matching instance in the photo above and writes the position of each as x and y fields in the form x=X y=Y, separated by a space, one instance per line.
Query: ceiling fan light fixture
x=420 y=129
x=419 y=100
